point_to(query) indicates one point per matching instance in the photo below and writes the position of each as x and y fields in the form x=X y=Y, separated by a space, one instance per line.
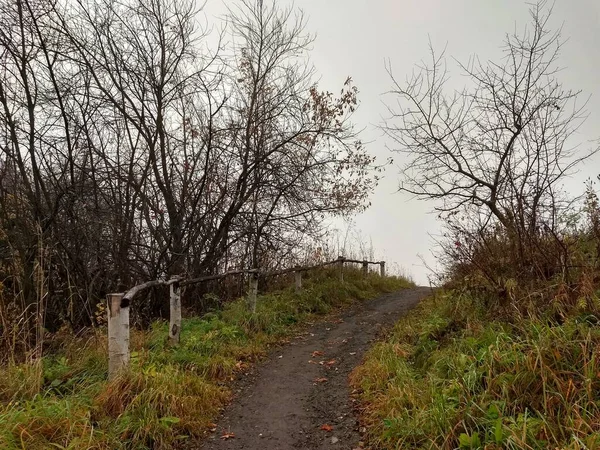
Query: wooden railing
x=118 y=303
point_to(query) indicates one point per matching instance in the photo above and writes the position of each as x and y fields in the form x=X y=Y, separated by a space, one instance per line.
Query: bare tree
x=38 y=141
x=496 y=151
x=131 y=148
x=307 y=159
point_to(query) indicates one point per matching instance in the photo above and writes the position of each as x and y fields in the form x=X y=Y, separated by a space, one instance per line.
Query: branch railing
x=118 y=303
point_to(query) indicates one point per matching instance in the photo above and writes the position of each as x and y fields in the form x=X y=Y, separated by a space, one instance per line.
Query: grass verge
x=451 y=376
x=171 y=394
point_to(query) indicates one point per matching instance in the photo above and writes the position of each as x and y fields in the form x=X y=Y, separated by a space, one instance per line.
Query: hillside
x=171 y=394
x=454 y=374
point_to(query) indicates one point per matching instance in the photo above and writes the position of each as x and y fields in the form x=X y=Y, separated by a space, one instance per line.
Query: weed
x=171 y=393
x=450 y=376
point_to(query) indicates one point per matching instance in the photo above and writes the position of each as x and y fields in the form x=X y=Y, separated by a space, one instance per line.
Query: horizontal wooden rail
x=131 y=293
x=276 y=273
x=118 y=304
x=128 y=296
x=216 y=276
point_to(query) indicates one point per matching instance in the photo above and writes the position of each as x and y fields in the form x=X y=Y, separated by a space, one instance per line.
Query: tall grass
x=170 y=395
x=452 y=375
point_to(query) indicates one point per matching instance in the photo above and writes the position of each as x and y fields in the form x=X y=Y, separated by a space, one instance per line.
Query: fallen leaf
x=330 y=363
x=320 y=380
x=212 y=426
x=317 y=353
x=241 y=366
x=326 y=427
x=226 y=436
x=353 y=353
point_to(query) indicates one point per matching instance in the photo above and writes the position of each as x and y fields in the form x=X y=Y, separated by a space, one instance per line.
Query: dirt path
x=284 y=407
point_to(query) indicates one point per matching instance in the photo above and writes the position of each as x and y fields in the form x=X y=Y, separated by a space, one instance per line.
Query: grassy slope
x=171 y=394
x=450 y=376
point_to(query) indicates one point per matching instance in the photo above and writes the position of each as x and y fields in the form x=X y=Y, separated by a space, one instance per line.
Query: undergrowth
x=454 y=374
x=170 y=395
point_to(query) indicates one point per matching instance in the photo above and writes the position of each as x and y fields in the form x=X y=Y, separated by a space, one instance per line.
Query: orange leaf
x=317 y=353
x=326 y=427
x=226 y=436
x=240 y=365
x=320 y=380
x=330 y=363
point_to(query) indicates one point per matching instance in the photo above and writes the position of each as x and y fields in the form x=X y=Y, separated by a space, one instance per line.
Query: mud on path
x=287 y=401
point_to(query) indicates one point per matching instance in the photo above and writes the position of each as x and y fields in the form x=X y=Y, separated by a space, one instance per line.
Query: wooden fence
x=118 y=304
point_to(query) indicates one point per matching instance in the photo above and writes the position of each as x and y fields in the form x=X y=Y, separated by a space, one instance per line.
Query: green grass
x=170 y=395
x=450 y=375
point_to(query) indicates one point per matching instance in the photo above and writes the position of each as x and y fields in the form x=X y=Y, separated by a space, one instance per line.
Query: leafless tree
x=497 y=151
x=134 y=146
x=39 y=147
x=307 y=158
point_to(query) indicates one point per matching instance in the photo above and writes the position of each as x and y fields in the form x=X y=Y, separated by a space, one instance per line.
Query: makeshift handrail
x=118 y=303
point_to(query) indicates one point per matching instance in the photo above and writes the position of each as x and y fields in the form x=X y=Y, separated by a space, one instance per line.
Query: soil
x=303 y=386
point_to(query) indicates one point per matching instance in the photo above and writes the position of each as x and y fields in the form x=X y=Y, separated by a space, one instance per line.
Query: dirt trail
x=283 y=407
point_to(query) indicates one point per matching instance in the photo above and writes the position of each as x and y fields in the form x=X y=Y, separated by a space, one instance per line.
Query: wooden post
x=118 y=334
x=253 y=291
x=365 y=267
x=298 y=279
x=382 y=268
x=340 y=264
x=175 y=313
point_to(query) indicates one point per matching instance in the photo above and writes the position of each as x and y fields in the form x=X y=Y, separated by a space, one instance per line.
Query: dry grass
x=171 y=394
x=450 y=377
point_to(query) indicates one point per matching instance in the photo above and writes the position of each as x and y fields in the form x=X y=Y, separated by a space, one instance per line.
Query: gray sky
x=355 y=37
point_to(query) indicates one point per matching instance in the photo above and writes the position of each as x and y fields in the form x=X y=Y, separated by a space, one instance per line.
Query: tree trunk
x=253 y=291
x=298 y=280
x=340 y=265
x=175 y=314
x=118 y=335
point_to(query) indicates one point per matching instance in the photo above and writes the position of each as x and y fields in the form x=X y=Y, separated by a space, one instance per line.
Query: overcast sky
x=356 y=37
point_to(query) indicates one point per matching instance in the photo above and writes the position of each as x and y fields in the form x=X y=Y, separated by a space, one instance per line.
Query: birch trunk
x=118 y=335
x=175 y=314
x=298 y=280
x=340 y=264
x=253 y=291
